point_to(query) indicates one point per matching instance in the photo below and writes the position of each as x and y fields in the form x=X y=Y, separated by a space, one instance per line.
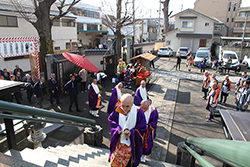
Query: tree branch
x=61 y=13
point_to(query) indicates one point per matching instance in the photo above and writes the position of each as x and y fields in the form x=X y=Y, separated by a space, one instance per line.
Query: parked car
x=199 y=56
x=234 y=57
x=184 y=51
x=166 y=51
x=246 y=60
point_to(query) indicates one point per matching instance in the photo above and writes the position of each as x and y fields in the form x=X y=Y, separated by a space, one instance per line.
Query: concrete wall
x=237 y=50
x=158 y=45
x=145 y=48
x=96 y=60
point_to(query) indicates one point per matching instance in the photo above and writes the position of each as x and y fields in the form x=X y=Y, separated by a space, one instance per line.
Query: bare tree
x=123 y=18
x=40 y=17
x=166 y=15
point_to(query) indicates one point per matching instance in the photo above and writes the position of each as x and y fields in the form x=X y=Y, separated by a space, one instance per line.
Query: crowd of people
x=133 y=123
x=213 y=90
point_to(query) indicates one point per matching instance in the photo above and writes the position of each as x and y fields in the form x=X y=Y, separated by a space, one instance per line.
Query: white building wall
x=174 y=42
x=61 y=35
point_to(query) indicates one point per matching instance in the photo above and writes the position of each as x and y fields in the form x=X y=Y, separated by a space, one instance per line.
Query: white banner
x=11 y=49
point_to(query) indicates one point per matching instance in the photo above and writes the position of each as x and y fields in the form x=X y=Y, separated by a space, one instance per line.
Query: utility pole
x=133 y=38
x=159 y=24
x=244 y=30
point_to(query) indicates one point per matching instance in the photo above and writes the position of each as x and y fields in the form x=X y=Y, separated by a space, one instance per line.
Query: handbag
x=200 y=65
x=192 y=62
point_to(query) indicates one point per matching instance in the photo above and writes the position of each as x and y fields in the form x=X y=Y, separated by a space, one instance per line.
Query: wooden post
x=53 y=45
x=70 y=45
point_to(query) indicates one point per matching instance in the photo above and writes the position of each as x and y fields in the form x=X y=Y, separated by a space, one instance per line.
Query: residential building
x=224 y=10
x=239 y=24
x=13 y=25
x=150 y=29
x=89 y=25
x=194 y=29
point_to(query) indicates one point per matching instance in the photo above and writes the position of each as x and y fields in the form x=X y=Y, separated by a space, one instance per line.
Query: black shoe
x=79 y=111
x=71 y=111
x=59 y=103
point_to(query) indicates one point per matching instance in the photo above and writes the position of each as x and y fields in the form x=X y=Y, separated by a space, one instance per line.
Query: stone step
x=70 y=155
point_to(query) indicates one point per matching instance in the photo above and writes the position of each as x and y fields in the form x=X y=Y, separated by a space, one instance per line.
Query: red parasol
x=80 y=61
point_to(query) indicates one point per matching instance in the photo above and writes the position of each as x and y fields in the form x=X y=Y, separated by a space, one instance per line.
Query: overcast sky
x=151 y=7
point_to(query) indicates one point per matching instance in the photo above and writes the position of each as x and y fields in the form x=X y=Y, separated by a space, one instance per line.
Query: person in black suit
x=71 y=87
x=15 y=95
x=1 y=72
x=28 y=87
x=6 y=74
x=17 y=69
x=53 y=88
x=40 y=91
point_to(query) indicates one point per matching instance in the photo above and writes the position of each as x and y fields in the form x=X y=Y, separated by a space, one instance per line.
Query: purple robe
x=138 y=98
x=135 y=137
x=150 y=132
x=93 y=98
x=112 y=101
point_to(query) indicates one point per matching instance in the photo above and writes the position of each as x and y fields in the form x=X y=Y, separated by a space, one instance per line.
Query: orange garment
x=122 y=64
x=118 y=103
x=98 y=102
x=121 y=156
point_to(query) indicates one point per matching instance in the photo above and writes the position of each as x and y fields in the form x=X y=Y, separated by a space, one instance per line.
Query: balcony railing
x=240 y=29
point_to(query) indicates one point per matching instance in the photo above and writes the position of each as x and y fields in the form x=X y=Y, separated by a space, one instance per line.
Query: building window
x=80 y=26
x=229 y=8
x=227 y=19
x=206 y=24
x=187 y=24
x=88 y=13
x=235 y=6
x=92 y=27
x=217 y=28
x=8 y=21
x=241 y=25
x=232 y=19
x=68 y=23
x=57 y=48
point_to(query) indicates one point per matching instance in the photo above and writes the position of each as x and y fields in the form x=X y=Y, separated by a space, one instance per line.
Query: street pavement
x=177 y=97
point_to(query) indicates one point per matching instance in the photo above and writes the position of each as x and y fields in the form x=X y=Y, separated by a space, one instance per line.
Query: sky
x=147 y=8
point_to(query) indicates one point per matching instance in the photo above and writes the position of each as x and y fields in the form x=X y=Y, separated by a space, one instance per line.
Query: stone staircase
x=69 y=155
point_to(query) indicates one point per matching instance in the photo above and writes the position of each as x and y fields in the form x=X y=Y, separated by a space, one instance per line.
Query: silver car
x=165 y=51
x=184 y=51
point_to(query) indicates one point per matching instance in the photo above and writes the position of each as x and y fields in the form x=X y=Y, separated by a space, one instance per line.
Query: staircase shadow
x=75 y=160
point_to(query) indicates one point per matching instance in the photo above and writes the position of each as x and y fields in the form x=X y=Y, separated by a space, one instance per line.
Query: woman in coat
x=244 y=97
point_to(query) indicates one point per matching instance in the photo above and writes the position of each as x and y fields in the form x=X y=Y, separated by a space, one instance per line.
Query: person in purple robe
x=115 y=98
x=127 y=127
x=151 y=116
x=94 y=98
x=140 y=94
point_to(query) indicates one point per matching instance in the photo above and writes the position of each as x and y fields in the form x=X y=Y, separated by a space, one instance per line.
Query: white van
x=234 y=57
